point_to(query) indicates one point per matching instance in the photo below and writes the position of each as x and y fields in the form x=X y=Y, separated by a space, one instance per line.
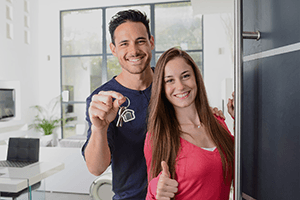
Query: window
x=87 y=61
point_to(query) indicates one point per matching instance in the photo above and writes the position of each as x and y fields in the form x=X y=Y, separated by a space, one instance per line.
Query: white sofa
x=76 y=140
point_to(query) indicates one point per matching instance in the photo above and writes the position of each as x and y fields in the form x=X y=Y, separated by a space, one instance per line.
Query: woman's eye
x=186 y=76
x=169 y=81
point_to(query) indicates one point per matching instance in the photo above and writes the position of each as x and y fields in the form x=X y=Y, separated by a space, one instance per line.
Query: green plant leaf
x=45 y=121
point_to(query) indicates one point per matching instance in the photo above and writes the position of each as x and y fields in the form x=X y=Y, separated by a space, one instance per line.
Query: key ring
x=125 y=115
x=124 y=102
x=124 y=107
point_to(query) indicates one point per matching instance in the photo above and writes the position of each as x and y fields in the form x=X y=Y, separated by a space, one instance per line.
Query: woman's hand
x=166 y=187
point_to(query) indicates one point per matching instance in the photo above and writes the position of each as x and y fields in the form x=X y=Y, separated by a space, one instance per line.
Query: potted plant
x=47 y=120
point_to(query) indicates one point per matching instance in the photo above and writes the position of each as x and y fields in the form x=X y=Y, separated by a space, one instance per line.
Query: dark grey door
x=270 y=101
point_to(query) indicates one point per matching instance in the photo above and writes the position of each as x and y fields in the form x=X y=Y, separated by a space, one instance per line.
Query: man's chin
x=135 y=69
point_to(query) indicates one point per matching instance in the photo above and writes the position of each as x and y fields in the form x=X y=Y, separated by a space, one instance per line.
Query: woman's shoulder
x=222 y=122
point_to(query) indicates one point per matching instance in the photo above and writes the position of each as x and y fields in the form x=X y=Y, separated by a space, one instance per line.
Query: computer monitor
x=7 y=103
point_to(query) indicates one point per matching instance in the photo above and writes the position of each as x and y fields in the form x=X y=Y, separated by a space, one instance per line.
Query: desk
x=16 y=179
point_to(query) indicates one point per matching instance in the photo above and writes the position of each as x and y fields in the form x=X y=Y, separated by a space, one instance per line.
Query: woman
x=189 y=152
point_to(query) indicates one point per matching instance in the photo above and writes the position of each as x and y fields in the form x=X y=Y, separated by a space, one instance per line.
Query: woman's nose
x=179 y=85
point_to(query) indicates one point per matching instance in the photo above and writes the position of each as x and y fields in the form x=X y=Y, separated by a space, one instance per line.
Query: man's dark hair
x=127 y=15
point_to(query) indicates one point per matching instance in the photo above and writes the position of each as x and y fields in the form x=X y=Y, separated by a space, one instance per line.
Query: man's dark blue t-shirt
x=126 y=143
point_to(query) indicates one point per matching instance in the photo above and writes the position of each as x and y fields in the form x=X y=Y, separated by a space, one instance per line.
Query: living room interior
x=31 y=63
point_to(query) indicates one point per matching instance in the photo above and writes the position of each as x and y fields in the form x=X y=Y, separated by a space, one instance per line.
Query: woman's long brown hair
x=164 y=128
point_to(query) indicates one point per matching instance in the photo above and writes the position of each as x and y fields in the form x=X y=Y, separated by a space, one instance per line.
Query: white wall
x=218 y=61
x=18 y=60
x=218 y=57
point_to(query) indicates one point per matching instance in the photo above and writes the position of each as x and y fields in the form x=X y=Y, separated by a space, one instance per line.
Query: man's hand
x=166 y=187
x=104 y=107
x=217 y=112
x=230 y=106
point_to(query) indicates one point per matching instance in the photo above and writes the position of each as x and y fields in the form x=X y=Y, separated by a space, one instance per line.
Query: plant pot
x=46 y=140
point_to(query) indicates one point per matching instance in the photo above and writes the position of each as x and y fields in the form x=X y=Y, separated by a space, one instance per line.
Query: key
x=120 y=119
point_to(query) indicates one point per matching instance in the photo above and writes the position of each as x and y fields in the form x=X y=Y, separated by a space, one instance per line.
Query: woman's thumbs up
x=166 y=187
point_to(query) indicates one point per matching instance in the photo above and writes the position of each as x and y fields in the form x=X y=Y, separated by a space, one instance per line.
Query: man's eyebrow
x=141 y=38
x=122 y=41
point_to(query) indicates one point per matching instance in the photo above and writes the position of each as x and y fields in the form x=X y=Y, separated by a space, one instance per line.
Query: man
x=122 y=146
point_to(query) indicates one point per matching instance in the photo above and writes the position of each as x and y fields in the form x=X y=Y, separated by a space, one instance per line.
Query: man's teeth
x=182 y=95
x=134 y=60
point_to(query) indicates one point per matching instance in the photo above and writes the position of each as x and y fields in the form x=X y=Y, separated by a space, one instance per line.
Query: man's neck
x=136 y=81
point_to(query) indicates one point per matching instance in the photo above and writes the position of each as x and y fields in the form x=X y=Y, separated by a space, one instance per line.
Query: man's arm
x=102 y=111
x=217 y=112
x=230 y=105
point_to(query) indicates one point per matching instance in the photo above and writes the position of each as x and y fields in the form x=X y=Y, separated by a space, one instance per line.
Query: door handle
x=239 y=35
x=251 y=35
x=238 y=64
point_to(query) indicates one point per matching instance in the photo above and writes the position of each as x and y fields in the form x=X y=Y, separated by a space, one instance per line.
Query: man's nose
x=133 y=50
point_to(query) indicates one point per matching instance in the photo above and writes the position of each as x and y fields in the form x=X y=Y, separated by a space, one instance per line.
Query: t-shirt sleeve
x=88 y=101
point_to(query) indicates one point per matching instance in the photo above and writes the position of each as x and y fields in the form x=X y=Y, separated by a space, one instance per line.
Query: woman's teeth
x=182 y=95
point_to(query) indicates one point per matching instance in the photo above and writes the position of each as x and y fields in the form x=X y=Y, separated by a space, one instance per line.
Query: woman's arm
x=148 y=154
x=162 y=186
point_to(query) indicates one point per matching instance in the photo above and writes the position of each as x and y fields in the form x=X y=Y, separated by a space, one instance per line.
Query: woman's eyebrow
x=169 y=76
x=185 y=72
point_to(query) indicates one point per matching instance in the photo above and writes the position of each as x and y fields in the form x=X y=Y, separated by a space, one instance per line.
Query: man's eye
x=141 y=41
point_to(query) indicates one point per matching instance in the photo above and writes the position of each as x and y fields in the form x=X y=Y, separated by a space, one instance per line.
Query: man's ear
x=113 y=49
x=152 y=42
